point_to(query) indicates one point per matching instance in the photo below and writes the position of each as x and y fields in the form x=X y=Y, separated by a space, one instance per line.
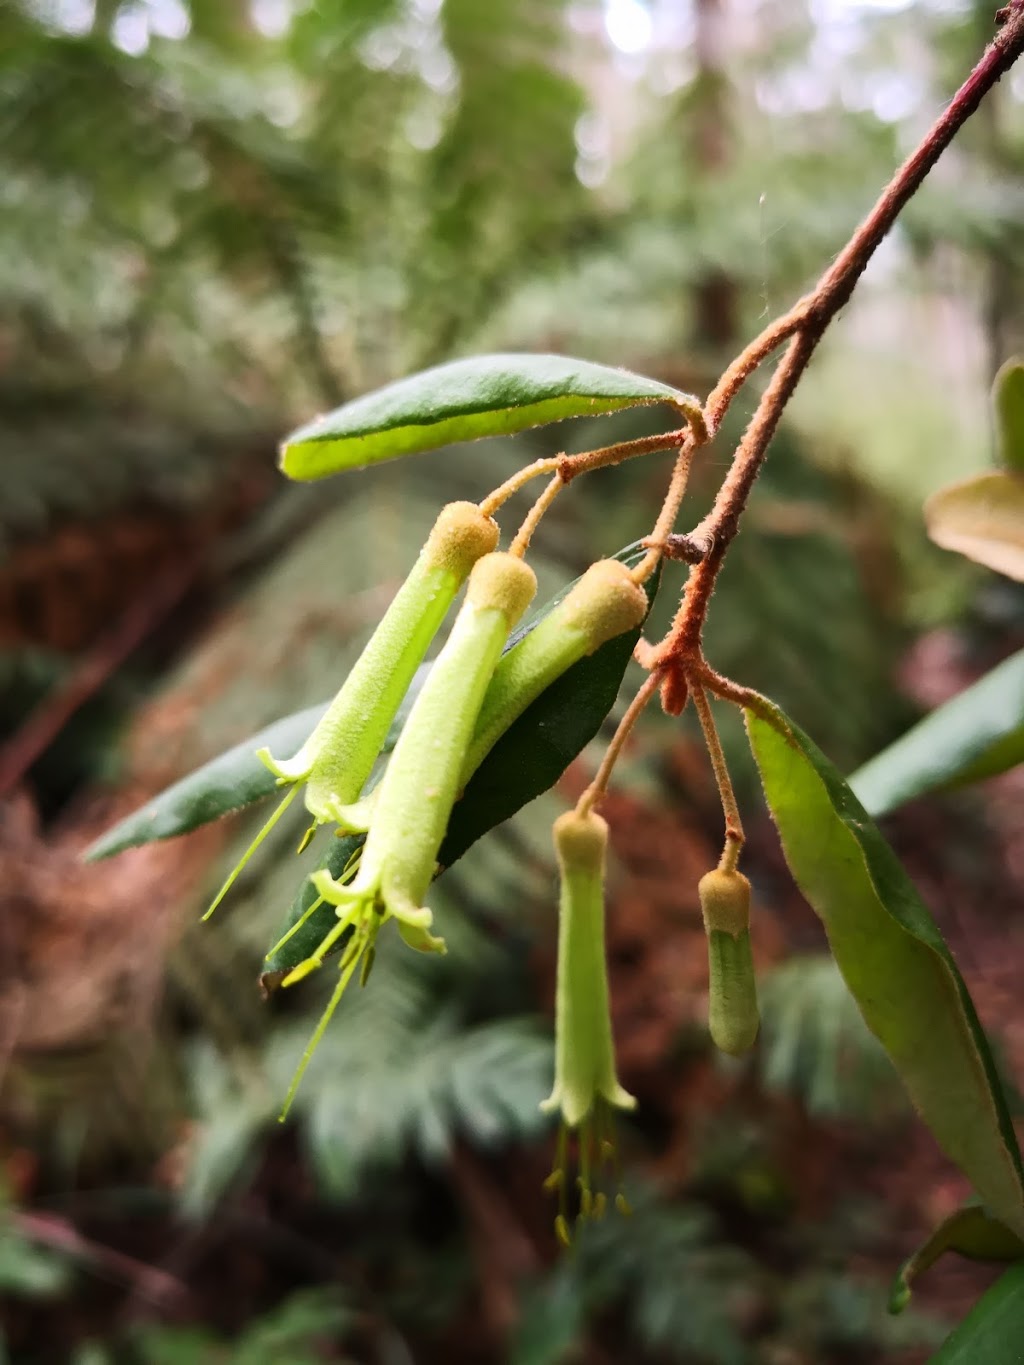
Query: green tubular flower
x=603 y=604
x=336 y=760
x=414 y=799
x=733 y=1018
x=586 y=1086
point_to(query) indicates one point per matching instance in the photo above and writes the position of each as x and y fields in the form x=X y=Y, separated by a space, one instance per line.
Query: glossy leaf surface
x=490 y=395
x=974 y=735
x=982 y=518
x=312 y=933
x=893 y=959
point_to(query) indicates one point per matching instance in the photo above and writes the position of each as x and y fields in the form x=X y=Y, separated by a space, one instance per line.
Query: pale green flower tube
x=418 y=789
x=336 y=760
x=604 y=603
x=586 y=1087
x=584 y=1051
x=733 y=1017
x=416 y=794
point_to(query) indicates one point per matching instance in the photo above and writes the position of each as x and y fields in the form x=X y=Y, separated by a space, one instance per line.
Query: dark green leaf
x=893 y=959
x=971 y=1232
x=527 y=760
x=227 y=783
x=490 y=395
x=975 y=735
x=993 y=1331
x=306 y=940
x=1008 y=403
x=537 y=748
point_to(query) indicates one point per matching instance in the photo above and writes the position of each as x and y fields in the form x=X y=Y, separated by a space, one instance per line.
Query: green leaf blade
x=227 y=783
x=493 y=395
x=993 y=1331
x=975 y=735
x=893 y=959
x=304 y=942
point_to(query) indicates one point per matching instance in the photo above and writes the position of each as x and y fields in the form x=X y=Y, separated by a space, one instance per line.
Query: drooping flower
x=336 y=761
x=416 y=794
x=602 y=604
x=586 y=1089
x=733 y=1017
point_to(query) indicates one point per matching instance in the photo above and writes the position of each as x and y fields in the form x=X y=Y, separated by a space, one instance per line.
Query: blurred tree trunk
x=715 y=294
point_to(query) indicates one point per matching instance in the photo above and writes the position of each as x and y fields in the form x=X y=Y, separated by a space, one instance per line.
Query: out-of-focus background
x=219 y=217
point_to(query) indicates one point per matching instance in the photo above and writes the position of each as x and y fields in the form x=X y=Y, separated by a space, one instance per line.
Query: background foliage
x=221 y=217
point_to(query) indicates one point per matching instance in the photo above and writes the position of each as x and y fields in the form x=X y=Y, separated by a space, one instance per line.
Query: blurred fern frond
x=816 y=1045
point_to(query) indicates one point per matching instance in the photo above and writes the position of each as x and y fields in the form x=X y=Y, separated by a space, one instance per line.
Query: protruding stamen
x=240 y=865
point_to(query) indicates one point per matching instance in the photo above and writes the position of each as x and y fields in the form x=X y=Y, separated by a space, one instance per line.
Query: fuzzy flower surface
x=335 y=762
x=414 y=800
x=587 y=1088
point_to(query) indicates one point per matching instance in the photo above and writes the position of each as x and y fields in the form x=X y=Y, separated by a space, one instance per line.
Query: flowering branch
x=802 y=327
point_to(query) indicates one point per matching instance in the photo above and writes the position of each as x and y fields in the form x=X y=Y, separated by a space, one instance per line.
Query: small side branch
x=803 y=328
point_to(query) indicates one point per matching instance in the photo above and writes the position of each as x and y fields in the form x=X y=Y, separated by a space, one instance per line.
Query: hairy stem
x=596 y=790
x=524 y=535
x=803 y=327
x=734 y=838
x=519 y=479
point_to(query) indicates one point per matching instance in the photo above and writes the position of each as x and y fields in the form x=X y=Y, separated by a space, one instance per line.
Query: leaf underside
x=982 y=518
x=971 y=1232
x=893 y=959
x=491 y=395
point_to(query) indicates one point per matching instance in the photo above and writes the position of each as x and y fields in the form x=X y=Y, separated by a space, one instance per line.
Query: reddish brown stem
x=804 y=326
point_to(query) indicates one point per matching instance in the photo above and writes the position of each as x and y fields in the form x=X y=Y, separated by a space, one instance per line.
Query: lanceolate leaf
x=975 y=735
x=227 y=783
x=982 y=518
x=971 y=1232
x=993 y=1331
x=491 y=395
x=892 y=958
x=528 y=759
x=1008 y=402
